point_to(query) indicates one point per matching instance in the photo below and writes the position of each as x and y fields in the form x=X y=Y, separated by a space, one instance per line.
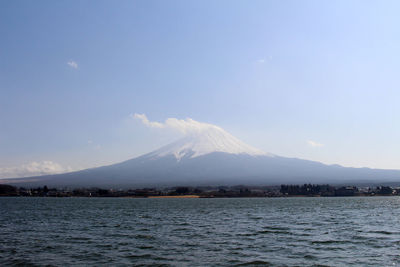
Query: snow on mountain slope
x=212 y=139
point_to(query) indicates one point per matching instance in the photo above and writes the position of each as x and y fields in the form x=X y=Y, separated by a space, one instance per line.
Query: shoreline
x=182 y=196
x=196 y=196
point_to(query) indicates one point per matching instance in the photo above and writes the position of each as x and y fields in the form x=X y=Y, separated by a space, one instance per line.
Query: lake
x=357 y=231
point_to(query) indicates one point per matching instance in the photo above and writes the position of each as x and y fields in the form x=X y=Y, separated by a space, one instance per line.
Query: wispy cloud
x=146 y=121
x=72 y=64
x=263 y=60
x=33 y=169
x=314 y=144
x=186 y=126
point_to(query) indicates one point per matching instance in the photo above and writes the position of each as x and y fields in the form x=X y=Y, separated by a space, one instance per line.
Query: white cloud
x=72 y=64
x=146 y=121
x=261 y=61
x=187 y=126
x=33 y=169
x=314 y=144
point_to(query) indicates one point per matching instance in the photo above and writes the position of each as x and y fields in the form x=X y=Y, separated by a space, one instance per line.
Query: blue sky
x=283 y=76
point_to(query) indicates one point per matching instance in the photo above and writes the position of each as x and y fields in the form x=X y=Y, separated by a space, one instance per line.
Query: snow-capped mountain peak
x=212 y=139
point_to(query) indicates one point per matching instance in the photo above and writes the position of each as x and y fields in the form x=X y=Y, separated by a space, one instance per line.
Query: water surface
x=200 y=232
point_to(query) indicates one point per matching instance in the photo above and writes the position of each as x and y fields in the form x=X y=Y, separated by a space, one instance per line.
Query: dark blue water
x=200 y=232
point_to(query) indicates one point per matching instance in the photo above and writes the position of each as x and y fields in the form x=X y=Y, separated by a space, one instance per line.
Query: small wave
x=382 y=232
x=310 y=257
x=148 y=257
x=180 y=229
x=246 y=234
x=274 y=232
x=79 y=238
x=145 y=247
x=140 y=256
x=255 y=263
x=144 y=216
x=144 y=236
x=255 y=218
x=144 y=230
x=276 y=228
x=22 y=262
x=327 y=242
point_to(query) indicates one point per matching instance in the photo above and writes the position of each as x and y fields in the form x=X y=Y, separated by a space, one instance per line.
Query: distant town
x=307 y=190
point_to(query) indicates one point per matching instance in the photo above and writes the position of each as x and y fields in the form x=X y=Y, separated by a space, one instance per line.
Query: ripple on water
x=255 y=263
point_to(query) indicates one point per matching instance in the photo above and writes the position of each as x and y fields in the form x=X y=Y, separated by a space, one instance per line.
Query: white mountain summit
x=212 y=139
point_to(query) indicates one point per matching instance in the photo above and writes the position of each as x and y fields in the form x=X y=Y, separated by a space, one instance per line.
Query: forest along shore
x=306 y=190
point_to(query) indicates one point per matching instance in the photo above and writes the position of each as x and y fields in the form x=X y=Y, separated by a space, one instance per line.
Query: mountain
x=213 y=139
x=210 y=157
